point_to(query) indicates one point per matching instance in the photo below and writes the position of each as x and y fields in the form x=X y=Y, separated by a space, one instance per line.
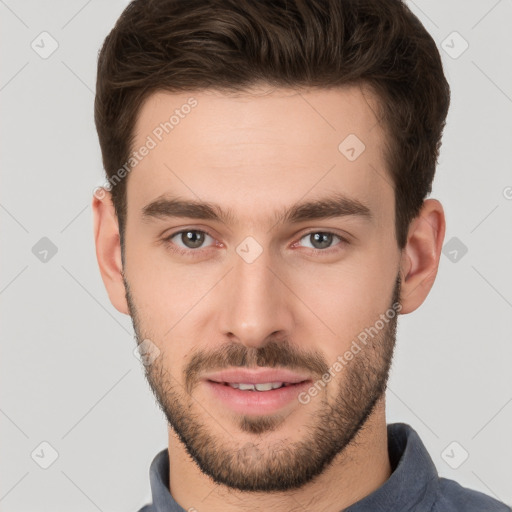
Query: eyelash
x=197 y=252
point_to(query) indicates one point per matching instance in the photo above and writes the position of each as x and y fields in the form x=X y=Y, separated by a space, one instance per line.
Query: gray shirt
x=414 y=485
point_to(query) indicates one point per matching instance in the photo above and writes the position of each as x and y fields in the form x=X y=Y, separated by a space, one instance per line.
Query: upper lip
x=256 y=376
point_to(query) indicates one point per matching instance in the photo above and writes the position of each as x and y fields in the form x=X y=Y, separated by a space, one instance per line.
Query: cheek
x=346 y=299
x=165 y=296
x=153 y=295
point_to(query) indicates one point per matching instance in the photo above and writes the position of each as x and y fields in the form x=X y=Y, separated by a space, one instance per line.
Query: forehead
x=252 y=149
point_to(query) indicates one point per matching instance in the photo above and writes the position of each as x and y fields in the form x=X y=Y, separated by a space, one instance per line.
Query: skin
x=258 y=153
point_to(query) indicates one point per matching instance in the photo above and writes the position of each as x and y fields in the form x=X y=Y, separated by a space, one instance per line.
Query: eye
x=187 y=240
x=322 y=240
x=191 y=242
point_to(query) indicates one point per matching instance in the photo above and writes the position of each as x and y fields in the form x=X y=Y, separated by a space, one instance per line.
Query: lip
x=256 y=376
x=255 y=402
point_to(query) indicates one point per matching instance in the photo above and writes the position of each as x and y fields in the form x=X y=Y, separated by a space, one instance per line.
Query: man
x=264 y=223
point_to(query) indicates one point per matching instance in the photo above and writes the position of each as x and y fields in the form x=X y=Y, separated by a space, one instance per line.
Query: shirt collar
x=159 y=481
x=411 y=487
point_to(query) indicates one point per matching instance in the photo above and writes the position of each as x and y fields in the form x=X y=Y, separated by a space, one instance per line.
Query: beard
x=332 y=422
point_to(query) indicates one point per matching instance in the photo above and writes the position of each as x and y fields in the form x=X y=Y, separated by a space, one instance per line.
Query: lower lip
x=256 y=402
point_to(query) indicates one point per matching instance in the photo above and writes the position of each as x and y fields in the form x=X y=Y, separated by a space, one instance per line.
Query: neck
x=355 y=473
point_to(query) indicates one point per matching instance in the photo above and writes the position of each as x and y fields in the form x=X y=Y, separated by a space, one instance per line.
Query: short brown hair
x=230 y=45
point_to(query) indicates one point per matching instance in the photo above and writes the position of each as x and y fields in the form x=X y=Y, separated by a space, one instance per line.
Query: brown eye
x=192 y=238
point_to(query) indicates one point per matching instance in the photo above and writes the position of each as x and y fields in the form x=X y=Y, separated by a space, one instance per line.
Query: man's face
x=261 y=291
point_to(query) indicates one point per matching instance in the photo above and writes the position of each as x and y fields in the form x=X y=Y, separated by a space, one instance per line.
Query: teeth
x=266 y=386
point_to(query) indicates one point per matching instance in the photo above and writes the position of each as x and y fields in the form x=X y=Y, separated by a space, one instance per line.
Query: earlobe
x=108 y=249
x=420 y=256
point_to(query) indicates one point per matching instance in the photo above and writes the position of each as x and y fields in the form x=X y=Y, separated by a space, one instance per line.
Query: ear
x=420 y=256
x=108 y=248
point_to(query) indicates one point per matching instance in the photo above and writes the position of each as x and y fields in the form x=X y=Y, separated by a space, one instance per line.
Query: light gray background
x=69 y=376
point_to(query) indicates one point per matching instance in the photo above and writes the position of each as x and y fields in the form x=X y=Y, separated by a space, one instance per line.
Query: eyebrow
x=333 y=205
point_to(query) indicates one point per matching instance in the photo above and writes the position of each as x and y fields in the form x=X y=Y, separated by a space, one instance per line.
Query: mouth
x=264 y=386
x=256 y=391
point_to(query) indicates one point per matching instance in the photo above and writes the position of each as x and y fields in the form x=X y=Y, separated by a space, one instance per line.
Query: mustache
x=271 y=355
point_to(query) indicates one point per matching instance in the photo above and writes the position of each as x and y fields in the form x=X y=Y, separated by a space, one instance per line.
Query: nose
x=256 y=302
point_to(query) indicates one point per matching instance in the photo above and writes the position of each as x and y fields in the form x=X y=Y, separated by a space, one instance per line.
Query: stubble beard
x=259 y=464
